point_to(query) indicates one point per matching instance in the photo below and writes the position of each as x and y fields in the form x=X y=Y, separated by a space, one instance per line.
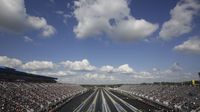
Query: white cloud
x=58 y=73
x=144 y=75
x=27 y=39
x=88 y=75
x=190 y=46
x=132 y=29
x=53 y=73
x=13 y=17
x=38 y=65
x=176 y=67
x=174 y=73
x=10 y=62
x=83 y=65
x=107 y=69
x=97 y=17
x=83 y=72
x=122 y=69
x=125 y=69
x=181 y=19
x=90 y=78
x=98 y=77
x=59 y=12
x=64 y=16
x=41 y=24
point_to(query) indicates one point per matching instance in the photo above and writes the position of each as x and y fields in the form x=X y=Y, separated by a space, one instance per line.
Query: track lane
x=105 y=107
x=99 y=102
x=117 y=105
x=83 y=105
x=124 y=103
x=75 y=102
x=109 y=102
x=137 y=103
x=92 y=107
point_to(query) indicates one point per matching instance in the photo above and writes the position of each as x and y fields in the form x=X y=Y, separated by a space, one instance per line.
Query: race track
x=104 y=100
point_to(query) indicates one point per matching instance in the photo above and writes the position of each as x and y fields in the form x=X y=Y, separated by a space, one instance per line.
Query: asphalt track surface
x=104 y=100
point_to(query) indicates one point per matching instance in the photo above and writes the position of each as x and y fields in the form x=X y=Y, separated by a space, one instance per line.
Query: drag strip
x=105 y=100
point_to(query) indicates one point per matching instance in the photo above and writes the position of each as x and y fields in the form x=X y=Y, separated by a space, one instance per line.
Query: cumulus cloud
x=83 y=65
x=97 y=17
x=39 y=23
x=181 y=19
x=144 y=75
x=93 y=76
x=38 y=65
x=122 y=69
x=132 y=29
x=12 y=14
x=175 y=72
x=190 y=46
x=57 y=73
x=83 y=72
x=13 y=17
x=10 y=62
x=107 y=69
x=64 y=73
x=97 y=78
x=125 y=69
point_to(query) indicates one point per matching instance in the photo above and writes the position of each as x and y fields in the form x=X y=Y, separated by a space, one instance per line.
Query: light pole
x=199 y=76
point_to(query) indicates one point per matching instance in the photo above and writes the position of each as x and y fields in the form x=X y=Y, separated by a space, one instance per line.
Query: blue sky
x=75 y=41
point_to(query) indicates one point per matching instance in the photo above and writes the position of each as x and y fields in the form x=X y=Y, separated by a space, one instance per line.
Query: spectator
x=182 y=97
x=23 y=97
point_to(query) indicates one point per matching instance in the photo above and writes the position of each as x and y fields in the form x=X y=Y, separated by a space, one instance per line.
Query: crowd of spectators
x=185 y=98
x=34 y=97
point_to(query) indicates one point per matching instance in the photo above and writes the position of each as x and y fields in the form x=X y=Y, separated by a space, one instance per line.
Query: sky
x=102 y=41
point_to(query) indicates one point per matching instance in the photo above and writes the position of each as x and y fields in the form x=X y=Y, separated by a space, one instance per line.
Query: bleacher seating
x=34 y=97
x=185 y=98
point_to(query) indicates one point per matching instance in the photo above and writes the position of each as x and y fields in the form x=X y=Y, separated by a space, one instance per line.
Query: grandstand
x=179 y=97
x=25 y=92
x=35 y=97
x=12 y=75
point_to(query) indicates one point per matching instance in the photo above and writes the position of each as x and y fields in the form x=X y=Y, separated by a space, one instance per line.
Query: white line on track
x=117 y=105
x=124 y=102
x=78 y=109
x=92 y=107
x=105 y=107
